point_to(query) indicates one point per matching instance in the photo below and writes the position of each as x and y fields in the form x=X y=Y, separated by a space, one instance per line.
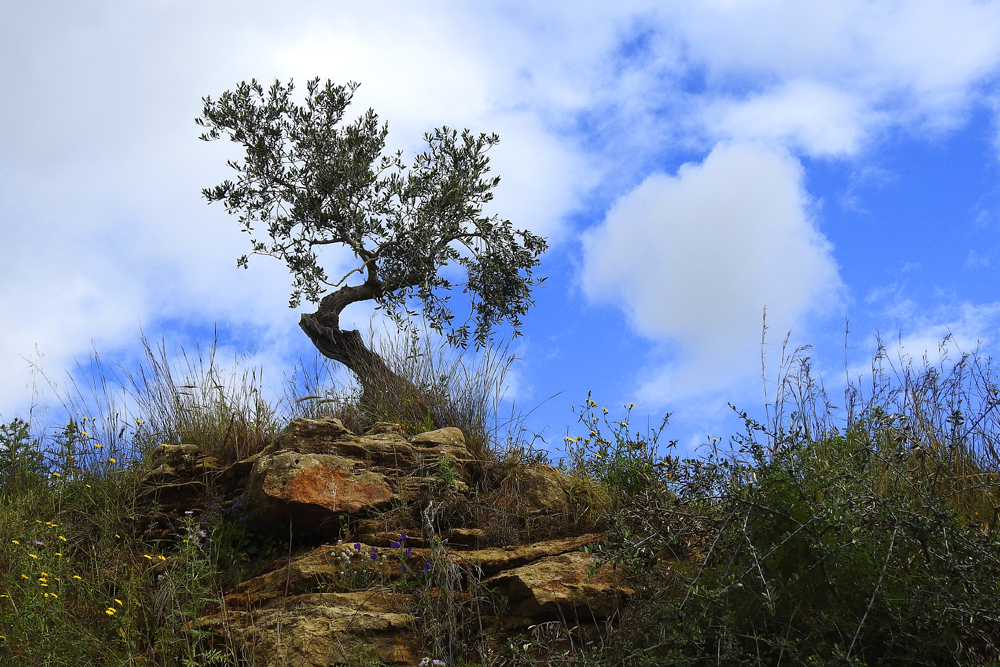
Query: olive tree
x=309 y=180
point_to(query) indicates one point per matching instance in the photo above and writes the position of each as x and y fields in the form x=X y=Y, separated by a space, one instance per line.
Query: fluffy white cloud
x=696 y=258
x=99 y=171
x=817 y=119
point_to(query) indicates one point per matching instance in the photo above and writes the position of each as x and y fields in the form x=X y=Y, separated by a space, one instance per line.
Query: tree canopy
x=311 y=180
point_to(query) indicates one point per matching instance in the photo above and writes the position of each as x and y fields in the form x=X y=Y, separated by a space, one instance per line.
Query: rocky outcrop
x=320 y=629
x=177 y=476
x=393 y=533
x=560 y=587
x=321 y=476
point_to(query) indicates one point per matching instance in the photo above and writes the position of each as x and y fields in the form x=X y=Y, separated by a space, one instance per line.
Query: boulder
x=313 y=490
x=542 y=488
x=382 y=447
x=561 y=588
x=497 y=559
x=176 y=478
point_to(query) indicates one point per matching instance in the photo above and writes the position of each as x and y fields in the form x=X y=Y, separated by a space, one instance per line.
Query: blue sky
x=690 y=163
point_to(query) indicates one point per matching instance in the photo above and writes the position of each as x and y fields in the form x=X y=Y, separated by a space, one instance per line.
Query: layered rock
x=320 y=476
x=322 y=482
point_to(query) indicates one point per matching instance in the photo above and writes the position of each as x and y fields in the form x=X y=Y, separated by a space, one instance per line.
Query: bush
x=22 y=464
x=813 y=545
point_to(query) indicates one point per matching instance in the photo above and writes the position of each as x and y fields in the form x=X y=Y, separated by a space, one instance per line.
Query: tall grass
x=80 y=586
x=224 y=411
x=455 y=387
x=856 y=534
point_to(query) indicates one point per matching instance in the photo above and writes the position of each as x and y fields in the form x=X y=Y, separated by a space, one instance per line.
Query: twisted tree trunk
x=381 y=387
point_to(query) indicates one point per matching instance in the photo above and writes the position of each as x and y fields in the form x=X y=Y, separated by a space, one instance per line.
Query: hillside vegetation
x=859 y=532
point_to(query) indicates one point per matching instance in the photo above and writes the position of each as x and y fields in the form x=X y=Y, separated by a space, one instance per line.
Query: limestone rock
x=321 y=629
x=541 y=488
x=383 y=447
x=558 y=587
x=448 y=437
x=496 y=559
x=176 y=456
x=176 y=478
x=321 y=477
x=311 y=436
x=313 y=489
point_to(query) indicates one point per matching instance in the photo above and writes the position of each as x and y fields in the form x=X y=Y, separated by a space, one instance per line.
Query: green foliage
x=22 y=464
x=313 y=181
x=815 y=545
x=608 y=472
x=182 y=590
x=445 y=473
x=870 y=540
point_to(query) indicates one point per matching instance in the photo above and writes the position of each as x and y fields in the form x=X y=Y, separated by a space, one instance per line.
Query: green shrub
x=22 y=463
x=815 y=545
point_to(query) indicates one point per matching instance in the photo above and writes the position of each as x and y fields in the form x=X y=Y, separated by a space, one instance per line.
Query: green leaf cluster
x=313 y=180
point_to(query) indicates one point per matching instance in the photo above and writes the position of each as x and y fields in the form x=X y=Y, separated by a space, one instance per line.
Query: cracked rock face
x=320 y=629
x=539 y=583
x=312 y=490
x=372 y=594
x=560 y=587
x=318 y=474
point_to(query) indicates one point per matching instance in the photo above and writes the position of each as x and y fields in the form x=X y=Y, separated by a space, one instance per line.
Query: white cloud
x=696 y=258
x=976 y=260
x=940 y=337
x=103 y=226
x=815 y=118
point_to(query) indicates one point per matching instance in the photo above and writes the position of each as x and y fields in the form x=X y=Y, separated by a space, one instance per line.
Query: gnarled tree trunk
x=382 y=389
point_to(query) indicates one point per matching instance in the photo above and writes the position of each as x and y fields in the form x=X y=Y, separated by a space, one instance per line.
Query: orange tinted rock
x=313 y=489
